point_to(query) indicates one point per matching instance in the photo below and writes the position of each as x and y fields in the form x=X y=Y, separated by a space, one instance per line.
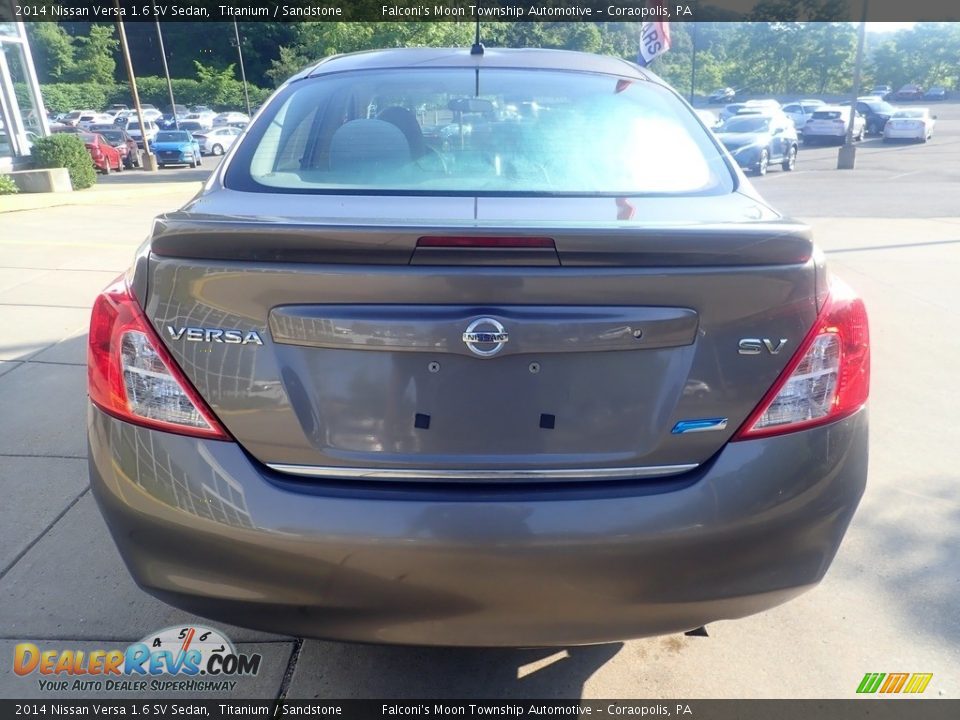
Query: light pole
x=149 y=160
x=693 y=61
x=847 y=156
x=166 y=71
x=243 y=74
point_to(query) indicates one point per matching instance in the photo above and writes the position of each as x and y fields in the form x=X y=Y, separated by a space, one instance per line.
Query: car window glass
x=431 y=131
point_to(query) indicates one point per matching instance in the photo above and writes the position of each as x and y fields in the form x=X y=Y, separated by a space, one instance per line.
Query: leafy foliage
x=927 y=53
x=63 y=97
x=94 y=60
x=8 y=186
x=53 y=49
x=67 y=151
x=813 y=55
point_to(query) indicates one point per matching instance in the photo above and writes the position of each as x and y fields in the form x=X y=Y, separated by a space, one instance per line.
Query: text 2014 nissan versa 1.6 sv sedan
x=494 y=349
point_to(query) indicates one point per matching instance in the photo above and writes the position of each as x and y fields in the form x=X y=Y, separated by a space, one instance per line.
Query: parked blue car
x=176 y=147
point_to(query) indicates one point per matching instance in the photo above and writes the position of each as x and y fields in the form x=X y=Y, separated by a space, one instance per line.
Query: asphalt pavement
x=891 y=228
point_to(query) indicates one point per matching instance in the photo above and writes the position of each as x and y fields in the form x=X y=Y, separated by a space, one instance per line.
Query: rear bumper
x=204 y=528
x=831 y=134
x=904 y=134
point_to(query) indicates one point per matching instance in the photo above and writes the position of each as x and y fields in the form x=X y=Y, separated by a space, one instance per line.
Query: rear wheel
x=763 y=163
x=218 y=149
x=790 y=161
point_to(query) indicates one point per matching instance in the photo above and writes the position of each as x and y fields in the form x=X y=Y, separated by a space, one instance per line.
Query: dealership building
x=22 y=115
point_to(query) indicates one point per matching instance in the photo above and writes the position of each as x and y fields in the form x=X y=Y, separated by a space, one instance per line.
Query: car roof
x=526 y=58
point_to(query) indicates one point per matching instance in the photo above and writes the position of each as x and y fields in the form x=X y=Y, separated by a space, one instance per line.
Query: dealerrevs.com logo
x=189 y=659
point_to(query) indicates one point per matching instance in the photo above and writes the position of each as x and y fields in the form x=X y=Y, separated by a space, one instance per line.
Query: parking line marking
x=902 y=175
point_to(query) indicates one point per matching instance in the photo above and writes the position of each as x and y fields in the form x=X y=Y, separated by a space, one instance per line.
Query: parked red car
x=118 y=138
x=106 y=158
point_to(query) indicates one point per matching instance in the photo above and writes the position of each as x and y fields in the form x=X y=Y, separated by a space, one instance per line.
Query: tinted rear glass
x=172 y=137
x=827 y=115
x=452 y=130
x=742 y=124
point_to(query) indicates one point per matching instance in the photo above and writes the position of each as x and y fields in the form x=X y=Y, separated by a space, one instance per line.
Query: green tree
x=291 y=61
x=52 y=50
x=219 y=87
x=93 y=61
x=833 y=49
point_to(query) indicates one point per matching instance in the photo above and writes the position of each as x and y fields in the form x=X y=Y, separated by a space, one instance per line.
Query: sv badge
x=755 y=346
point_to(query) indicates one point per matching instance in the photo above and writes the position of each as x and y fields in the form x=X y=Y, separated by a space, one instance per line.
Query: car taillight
x=132 y=376
x=828 y=377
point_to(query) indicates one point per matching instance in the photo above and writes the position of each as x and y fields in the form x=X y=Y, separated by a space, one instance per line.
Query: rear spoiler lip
x=218 y=238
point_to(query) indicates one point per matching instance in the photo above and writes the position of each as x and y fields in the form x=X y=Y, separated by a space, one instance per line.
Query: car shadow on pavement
x=918 y=564
x=327 y=669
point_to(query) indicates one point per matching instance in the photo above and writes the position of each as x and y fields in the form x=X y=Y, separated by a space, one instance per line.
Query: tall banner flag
x=654 y=38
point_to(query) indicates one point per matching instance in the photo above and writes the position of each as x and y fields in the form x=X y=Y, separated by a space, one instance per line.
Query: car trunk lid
x=373 y=360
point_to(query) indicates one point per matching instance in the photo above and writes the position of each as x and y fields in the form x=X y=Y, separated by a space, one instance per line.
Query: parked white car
x=127 y=118
x=88 y=119
x=767 y=104
x=205 y=118
x=231 y=118
x=910 y=124
x=133 y=130
x=218 y=140
x=830 y=122
x=801 y=111
x=72 y=118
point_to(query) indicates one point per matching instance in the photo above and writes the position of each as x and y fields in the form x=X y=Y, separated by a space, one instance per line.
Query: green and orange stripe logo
x=913 y=683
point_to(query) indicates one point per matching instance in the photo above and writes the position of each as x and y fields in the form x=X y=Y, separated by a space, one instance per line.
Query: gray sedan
x=563 y=378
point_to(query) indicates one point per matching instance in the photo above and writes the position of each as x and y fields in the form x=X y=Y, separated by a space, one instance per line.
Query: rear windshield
x=827 y=115
x=112 y=135
x=909 y=114
x=742 y=124
x=172 y=137
x=496 y=131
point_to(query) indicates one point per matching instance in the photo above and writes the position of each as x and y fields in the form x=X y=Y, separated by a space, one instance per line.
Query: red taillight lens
x=131 y=376
x=828 y=377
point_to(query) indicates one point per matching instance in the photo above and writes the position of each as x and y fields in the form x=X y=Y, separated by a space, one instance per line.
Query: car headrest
x=407 y=123
x=366 y=144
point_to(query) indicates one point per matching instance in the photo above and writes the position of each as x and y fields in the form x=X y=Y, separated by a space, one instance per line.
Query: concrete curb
x=98 y=194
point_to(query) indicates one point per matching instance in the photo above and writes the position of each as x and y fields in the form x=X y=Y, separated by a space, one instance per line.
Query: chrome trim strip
x=354 y=473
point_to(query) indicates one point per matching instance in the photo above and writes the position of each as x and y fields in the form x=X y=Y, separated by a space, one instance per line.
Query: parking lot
x=891 y=228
